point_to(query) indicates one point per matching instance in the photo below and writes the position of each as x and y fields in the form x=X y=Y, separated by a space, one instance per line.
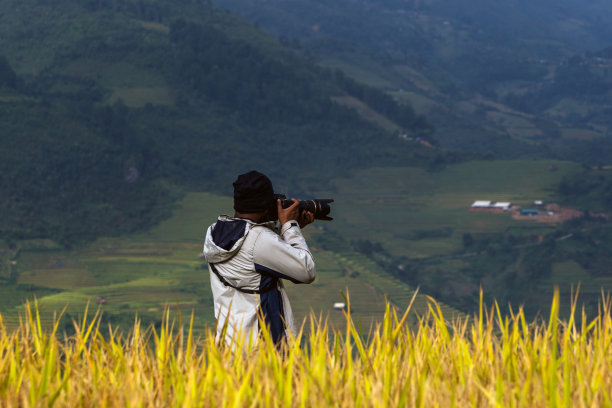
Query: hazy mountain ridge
x=408 y=29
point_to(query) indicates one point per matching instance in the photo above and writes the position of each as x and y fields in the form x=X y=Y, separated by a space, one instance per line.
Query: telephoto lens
x=319 y=207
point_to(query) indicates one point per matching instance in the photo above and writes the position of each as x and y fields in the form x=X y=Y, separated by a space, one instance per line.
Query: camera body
x=319 y=207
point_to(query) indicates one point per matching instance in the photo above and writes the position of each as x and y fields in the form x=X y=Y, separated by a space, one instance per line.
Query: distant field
x=387 y=205
x=190 y=220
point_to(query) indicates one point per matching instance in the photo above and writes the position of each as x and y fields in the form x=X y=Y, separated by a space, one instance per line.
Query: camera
x=317 y=206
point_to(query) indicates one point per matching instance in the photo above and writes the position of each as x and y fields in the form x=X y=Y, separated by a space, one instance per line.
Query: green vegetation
x=207 y=95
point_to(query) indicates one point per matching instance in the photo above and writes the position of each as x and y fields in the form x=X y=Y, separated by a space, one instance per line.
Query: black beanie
x=253 y=193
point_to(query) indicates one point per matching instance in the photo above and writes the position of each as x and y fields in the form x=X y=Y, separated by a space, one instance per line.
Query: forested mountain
x=511 y=77
x=107 y=106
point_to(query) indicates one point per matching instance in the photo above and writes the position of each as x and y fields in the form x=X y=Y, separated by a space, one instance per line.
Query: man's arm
x=286 y=256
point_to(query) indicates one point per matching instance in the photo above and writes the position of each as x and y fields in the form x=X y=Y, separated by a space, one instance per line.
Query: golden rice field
x=489 y=360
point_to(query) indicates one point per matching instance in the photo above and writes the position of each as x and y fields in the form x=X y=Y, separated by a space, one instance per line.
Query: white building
x=481 y=204
x=490 y=205
x=502 y=206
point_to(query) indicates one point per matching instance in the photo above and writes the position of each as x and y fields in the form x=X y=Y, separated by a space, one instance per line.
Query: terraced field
x=122 y=277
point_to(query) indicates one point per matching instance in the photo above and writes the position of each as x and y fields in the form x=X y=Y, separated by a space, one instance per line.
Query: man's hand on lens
x=293 y=213
x=306 y=217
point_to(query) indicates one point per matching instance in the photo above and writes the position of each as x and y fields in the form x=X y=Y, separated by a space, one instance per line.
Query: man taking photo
x=249 y=257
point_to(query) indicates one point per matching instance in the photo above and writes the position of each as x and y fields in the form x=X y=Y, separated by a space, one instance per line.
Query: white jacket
x=251 y=260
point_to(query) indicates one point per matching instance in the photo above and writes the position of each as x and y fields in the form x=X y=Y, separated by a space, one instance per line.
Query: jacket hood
x=225 y=238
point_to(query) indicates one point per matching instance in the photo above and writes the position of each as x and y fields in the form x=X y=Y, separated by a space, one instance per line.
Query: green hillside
x=110 y=109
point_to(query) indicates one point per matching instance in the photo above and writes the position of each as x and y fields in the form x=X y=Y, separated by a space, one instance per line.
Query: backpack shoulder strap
x=249 y=291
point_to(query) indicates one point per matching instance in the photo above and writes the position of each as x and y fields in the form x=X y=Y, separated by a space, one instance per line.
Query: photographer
x=249 y=257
